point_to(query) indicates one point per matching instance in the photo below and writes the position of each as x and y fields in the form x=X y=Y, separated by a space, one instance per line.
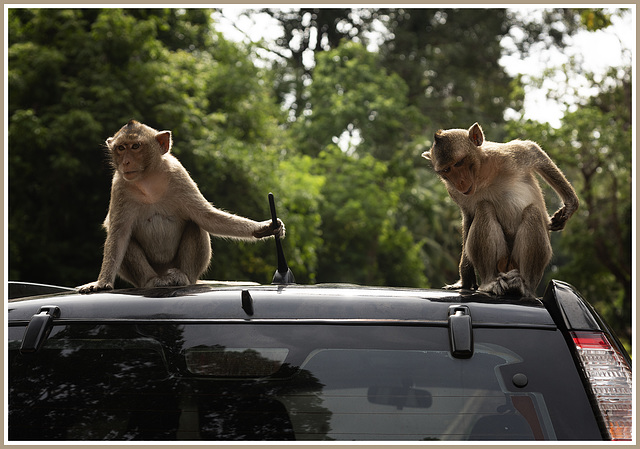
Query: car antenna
x=283 y=274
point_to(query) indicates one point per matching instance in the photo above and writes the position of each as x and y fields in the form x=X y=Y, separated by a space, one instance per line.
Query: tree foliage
x=334 y=124
x=593 y=145
x=76 y=76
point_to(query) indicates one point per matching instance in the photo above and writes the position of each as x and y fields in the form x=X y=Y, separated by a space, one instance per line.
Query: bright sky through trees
x=594 y=51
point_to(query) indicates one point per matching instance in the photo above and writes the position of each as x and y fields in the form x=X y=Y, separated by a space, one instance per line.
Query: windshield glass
x=294 y=381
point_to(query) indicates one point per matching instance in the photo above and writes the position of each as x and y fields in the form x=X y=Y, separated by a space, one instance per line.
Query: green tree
x=593 y=146
x=306 y=32
x=301 y=185
x=363 y=237
x=362 y=240
x=449 y=60
x=352 y=93
x=76 y=76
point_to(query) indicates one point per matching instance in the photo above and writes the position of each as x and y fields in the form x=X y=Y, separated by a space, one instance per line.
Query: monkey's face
x=136 y=149
x=129 y=159
x=460 y=175
x=454 y=160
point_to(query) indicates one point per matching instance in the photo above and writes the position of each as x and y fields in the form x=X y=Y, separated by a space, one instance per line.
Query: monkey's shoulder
x=520 y=152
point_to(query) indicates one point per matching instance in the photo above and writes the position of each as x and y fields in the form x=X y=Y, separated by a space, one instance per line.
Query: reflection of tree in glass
x=121 y=382
x=311 y=419
x=219 y=361
x=257 y=409
x=92 y=383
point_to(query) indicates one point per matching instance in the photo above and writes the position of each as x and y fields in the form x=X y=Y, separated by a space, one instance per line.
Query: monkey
x=158 y=224
x=505 y=225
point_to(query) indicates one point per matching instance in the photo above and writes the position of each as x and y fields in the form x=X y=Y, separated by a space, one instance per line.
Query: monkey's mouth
x=469 y=190
x=130 y=174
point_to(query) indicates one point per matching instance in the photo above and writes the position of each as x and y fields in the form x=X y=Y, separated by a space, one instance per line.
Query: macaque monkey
x=158 y=223
x=505 y=225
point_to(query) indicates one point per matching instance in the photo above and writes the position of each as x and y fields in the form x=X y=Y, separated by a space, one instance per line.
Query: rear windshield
x=294 y=382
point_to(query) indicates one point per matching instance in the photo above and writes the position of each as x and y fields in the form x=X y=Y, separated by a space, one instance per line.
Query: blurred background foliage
x=331 y=124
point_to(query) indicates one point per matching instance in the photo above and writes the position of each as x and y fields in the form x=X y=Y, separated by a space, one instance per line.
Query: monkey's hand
x=560 y=218
x=267 y=229
x=95 y=287
x=459 y=285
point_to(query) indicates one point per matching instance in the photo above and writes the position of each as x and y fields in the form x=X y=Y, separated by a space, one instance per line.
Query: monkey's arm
x=188 y=201
x=223 y=224
x=115 y=246
x=467 y=271
x=556 y=179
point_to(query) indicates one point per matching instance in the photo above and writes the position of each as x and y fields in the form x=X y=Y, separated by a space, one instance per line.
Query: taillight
x=609 y=375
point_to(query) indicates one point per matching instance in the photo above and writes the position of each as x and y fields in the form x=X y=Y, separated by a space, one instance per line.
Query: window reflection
x=245 y=382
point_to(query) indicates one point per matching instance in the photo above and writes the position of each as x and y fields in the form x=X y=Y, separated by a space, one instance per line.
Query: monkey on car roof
x=505 y=225
x=158 y=223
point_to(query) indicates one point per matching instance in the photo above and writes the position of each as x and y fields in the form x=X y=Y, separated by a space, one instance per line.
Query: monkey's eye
x=135 y=146
x=120 y=148
x=460 y=163
x=445 y=170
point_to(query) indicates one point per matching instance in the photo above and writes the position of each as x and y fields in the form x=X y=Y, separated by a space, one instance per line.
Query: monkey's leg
x=467 y=275
x=532 y=247
x=486 y=245
x=194 y=253
x=135 y=267
x=192 y=259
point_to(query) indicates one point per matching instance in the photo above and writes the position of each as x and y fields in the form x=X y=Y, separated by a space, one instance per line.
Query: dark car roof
x=299 y=303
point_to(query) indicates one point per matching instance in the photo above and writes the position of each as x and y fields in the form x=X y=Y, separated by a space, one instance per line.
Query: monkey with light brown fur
x=505 y=225
x=158 y=223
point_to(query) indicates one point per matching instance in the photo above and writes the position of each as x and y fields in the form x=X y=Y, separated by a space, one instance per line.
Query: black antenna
x=283 y=274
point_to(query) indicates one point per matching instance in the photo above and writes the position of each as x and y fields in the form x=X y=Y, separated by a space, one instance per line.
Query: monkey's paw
x=96 y=286
x=559 y=219
x=268 y=229
x=508 y=284
x=459 y=285
x=173 y=277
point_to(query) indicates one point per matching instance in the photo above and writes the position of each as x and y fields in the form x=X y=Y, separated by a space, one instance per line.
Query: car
x=249 y=362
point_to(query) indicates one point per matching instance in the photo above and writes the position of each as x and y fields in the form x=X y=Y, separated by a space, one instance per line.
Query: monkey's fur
x=158 y=223
x=505 y=225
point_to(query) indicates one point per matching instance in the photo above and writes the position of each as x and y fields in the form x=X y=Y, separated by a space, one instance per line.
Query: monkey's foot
x=460 y=286
x=96 y=286
x=507 y=284
x=455 y=286
x=173 y=277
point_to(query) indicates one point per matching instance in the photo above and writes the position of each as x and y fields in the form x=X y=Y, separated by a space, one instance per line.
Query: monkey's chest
x=161 y=233
x=510 y=201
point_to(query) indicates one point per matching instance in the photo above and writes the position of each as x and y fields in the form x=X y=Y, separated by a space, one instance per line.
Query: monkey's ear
x=475 y=134
x=427 y=155
x=109 y=141
x=164 y=139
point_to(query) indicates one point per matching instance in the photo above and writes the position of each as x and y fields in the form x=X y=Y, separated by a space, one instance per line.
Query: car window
x=294 y=381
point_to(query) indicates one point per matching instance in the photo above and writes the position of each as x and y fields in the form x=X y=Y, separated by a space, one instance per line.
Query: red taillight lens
x=610 y=378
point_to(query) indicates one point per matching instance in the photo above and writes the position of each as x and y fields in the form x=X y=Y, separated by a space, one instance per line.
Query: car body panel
x=202 y=334
x=322 y=302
